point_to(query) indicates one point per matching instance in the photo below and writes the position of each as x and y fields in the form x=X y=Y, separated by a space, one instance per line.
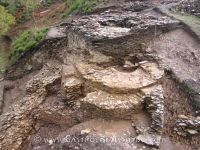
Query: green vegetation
x=21 y=9
x=6 y=20
x=47 y=2
x=24 y=10
x=25 y=41
x=82 y=6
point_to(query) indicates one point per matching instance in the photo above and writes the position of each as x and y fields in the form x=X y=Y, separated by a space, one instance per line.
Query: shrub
x=6 y=20
x=47 y=2
x=82 y=6
x=25 y=41
x=21 y=9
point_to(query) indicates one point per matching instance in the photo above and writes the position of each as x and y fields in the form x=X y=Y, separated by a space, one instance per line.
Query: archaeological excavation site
x=125 y=76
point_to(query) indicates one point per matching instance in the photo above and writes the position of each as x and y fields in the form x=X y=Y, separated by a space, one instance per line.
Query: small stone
x=192 y=132
x=149 y=139
x=182 y=117
x=182 y=124
x=50 y=142
x=86 y=131
x=29 y=68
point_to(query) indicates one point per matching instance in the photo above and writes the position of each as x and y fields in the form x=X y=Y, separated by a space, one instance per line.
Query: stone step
x=115 y=81
x=72 y=89
x=71 y=85
x=102 y=104
x=55 y=111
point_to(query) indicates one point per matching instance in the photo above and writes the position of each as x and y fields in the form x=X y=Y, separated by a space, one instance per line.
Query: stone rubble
x=137 y=6
x=187 y=125
x=189 y=6
x=54 y=110
x=155 y=106
x=114 y=25
x=110 y=78
x=17 y=122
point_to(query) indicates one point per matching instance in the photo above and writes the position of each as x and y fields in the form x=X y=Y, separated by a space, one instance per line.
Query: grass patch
x=82 y=6
x=25 y=41
x=21 y=9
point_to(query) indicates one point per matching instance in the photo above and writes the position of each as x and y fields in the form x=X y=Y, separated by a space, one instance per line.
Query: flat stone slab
x=116 y=105
x=108 y=101
x=187 y=125
x=149 y=139
x=112 y=32
x=56 y=32
x=153 y=69
x=114 y=80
